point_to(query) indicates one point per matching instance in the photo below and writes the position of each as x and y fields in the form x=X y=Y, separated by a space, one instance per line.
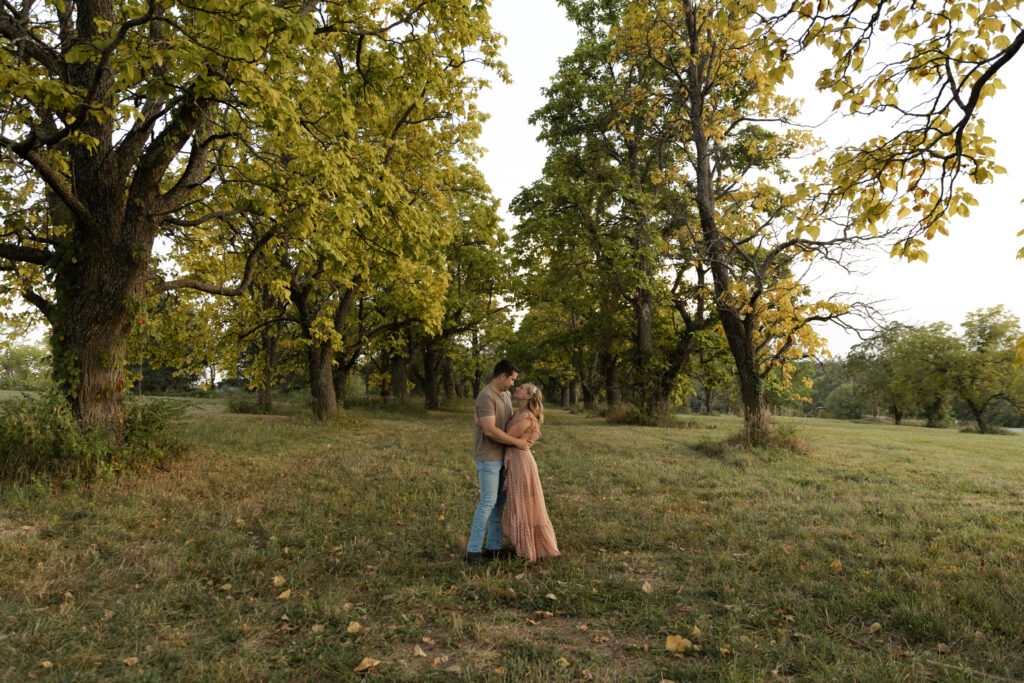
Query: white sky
x=975 y=267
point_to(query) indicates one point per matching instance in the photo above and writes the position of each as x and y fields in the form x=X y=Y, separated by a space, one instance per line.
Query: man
x=494 y=410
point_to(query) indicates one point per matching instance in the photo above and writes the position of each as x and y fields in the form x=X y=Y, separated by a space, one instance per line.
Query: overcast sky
x=975 y=267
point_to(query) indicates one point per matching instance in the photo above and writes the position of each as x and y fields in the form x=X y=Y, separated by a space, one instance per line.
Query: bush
x=39 y=436
x=244 y=404
x=627 y=414
x=782 y=440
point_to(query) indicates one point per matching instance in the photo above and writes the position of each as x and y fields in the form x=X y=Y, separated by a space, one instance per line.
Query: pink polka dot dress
x=526 y=517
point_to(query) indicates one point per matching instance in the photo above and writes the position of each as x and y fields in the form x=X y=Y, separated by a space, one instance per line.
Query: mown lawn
x=885 y=553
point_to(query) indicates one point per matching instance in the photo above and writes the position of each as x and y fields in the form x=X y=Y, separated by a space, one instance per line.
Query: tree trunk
x=431 y=383
x=574 y=394
x=612 y=388
x=264 y=398
x=589 y=397
x=96 y=300
x=737 y=325
x=448 y=377
x=565 y=396
x=897 y=414
x=341 y=379
x=709 y=397
x=321 y=380
x=979 y=416
x=399 y=379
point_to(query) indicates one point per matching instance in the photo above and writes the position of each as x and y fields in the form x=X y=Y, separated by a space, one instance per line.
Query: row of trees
x=926 y=370
x=279 y=189
x=197 y=183
x=682 y=204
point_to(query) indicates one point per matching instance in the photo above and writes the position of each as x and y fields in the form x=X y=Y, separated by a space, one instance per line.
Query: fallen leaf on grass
x=454 y=669
x=836 y=567
x=677 y=644
x=544 y=614
x=224 y=587
x=284 y=617
x=874 y=628
x=510 y=592
x=583 y=627
x=418 y=652
x=428 y=641
x=695 y=632
x=280 y=581
x=646 y=587
x=500 y=671
x=600 y=639
x=354 y=627
x=317 y=628
x=551 y=596
x=942 y=648
x=285 y=594
x=130 y=661
x=531 y=622
x=725 y=652
x=46 y=664
x=367 y=664
x=562 y=662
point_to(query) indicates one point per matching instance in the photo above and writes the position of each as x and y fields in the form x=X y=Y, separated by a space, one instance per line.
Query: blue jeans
x=488 y=511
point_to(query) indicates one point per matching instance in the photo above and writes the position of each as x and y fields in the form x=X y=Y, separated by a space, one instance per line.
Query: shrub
x=627 y=414
x=782 y=440
x=39 y=436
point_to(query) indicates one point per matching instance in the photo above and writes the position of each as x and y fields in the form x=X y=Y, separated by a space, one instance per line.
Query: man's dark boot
x=477 y=558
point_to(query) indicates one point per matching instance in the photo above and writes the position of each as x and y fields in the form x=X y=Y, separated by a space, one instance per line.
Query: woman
x=526 y=518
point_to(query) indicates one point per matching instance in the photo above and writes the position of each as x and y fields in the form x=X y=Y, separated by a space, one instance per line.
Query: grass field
x=284 y=549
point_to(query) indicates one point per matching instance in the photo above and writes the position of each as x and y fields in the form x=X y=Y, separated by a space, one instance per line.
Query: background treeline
x=931 y=374
x=285 y=195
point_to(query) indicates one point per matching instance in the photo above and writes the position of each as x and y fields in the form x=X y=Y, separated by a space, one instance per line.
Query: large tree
x=114 y=113
x=719 y=74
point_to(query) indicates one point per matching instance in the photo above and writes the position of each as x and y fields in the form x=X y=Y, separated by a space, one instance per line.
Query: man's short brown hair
x=505 y=367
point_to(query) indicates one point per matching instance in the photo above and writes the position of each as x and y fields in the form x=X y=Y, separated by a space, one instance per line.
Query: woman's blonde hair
x=536 y=404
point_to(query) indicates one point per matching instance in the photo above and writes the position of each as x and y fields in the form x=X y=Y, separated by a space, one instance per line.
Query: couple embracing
x=511 y=497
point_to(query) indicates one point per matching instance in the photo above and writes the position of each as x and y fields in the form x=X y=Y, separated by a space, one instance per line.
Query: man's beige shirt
x=489 y=403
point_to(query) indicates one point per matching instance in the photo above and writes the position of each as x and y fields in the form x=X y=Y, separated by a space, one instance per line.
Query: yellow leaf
x=725 y=651
x=500 y=671
x=646 y=588
x=836 y=567
x=317 y=628
x=677 y=644
x=130 y=661
x=696 y=632
x=280 y=581
x=285 y=594
x=551 y=596
x=874 y=628
x=367 y=664
x=418 y=652
x=562 y=662
x=225 y=587
x=46 y=664
x=354 y=627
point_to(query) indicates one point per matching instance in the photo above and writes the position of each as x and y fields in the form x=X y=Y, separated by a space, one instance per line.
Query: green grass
x=366 y=521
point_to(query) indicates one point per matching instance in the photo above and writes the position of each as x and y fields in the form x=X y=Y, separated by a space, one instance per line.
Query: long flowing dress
x=526 y=517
